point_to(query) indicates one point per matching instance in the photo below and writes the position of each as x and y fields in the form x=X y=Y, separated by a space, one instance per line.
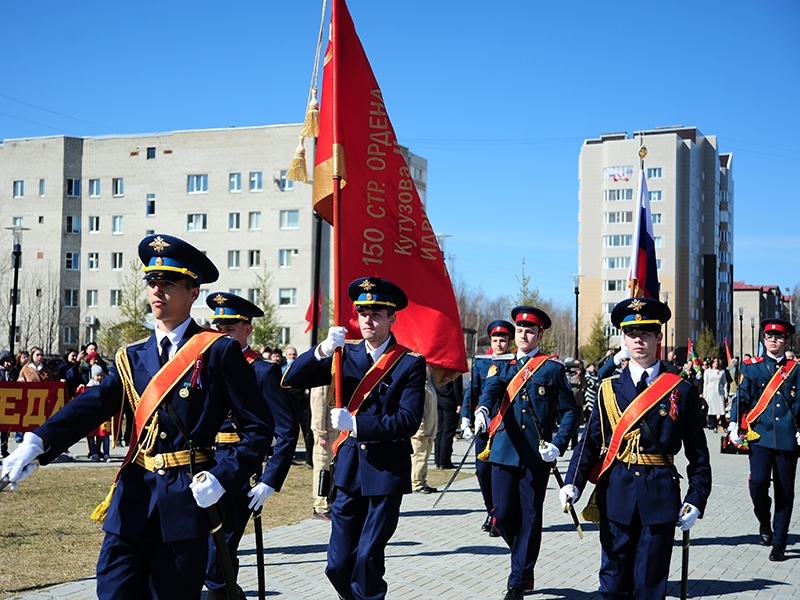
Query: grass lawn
x=46 y=536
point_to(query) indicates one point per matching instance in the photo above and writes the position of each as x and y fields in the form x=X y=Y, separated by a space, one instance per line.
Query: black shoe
x=493 y=532
x=487 y=524
x=426 y=489
x=513 y=593
x=765 y=531
x=777 y=555
x=321 y=516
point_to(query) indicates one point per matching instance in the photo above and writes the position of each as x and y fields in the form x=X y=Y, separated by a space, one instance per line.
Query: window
x=94 y=224
x=234 y=221
x=150 y=205
x=618 y=217
x=254 y=220
x=623 y=173
x=254 y=258
x=41 y=219
x=290 y=219
x=72 y=261
x=254 y=295
x=94 y=261
x=616 y=262
x=286 y=256
x=17 y=221
x=655 y=196
x=116 y=297
x=118 y=186
x=657 y=240
x=71 y=298
x=658 y=264
x=235 y=182
x=117 y=224
x=42 y=187
x=614 y=285
x=236 y=291
x=73 y=224
x=201 y=299
x=14 y=298
x=19 y=189
x=656 y=218
x=196 y=222
x=255 y=181
x=73 y=188
x=286 y=185
x=70 y=334
x=151 y=153
x=94 y=188
x=116 y=261
x=197 y=184
x=286 y=336
x=610 y=241
x=654 y=173
x=287 y=297
x=91 y=298
x=233 y=259
x=618 y=194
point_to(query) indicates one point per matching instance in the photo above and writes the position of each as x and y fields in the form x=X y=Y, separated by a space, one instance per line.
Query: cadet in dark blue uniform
x=156 y=538
x=521 y=459
x=768 y=401
x=500 y=333
x=233 y=316
x=638 y=494
x=373 y=464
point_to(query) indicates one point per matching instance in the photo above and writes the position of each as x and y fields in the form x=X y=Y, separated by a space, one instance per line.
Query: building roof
x=741 y=286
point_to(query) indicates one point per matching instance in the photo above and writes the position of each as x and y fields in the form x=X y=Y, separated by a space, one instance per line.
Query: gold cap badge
x=220 y=299
x=158 y=244
x=367 y=285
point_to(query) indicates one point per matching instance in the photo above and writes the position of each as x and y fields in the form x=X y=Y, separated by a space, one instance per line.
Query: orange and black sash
x=766 y=396
x=372 y=378
x=513 y=388
x=636 y=410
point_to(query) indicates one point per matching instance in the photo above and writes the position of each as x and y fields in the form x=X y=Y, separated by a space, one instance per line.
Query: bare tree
x=266 y=329
x=129 y=327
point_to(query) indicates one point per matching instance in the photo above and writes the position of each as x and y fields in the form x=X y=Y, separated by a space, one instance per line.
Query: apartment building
x=691 y=193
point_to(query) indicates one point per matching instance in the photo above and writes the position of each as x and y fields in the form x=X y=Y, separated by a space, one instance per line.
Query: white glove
x=687 y=516
x=259 y=494
x=206 y=489
x=466 y=432
x=334 y=340
x=623 y=354
x=342 y=420
x=20 y=463
x=568 y=494
x=733 y=433
x=481 y=421
x=549 y=452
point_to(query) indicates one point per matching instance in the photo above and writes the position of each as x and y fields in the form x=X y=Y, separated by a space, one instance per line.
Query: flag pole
x=338 y=380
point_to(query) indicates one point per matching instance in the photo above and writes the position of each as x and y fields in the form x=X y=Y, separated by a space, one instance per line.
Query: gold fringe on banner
x=297 y=170
x=101 y=510
x=311 y=123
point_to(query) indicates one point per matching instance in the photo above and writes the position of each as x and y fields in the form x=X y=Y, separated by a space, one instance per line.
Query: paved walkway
x=442 y=554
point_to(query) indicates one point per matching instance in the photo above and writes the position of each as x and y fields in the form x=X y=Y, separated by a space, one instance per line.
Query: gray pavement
x=442 y=554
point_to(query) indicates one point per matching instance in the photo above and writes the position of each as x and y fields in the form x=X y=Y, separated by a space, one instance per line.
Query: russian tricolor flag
x=643 y=275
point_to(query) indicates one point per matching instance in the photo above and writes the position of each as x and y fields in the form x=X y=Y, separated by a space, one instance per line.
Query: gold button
x=363 y=446
x=163 y=435
x=637 y=473
x=524 y=411
x=523 y=427
x=158 y=461
x=161 y=472
x=641 y=448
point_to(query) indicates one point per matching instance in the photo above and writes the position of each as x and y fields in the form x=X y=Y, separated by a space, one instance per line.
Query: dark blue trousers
x=781 y=466
x=518 y=495
x=237 y=514
x=149 y=568
x=483 y=471
x=635 y=559
x=361 y=527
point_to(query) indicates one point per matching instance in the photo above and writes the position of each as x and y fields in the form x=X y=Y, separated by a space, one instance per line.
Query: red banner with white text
x=25 y=406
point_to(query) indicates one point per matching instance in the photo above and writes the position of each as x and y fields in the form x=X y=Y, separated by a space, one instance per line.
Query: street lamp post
x=741 y=353
x=576 y=283
x=672 y=338
x=752 y=336
x=16 y=253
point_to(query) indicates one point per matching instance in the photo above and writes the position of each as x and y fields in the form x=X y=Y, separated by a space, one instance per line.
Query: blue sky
x=497 y=96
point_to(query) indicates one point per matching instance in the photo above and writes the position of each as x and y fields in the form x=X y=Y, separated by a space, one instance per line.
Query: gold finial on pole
x=643 y=152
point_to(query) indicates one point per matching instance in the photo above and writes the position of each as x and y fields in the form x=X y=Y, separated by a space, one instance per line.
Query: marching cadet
x=768 y=409
x=181 y=381
x=499 y=333
x=522 y=449
x=384 y=395
x=233 y=316
x=640 y=420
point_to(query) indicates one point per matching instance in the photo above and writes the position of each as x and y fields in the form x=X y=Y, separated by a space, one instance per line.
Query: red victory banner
x=363 y=187
x=24 y=406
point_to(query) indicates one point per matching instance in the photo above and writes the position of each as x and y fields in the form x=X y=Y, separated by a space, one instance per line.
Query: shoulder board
x=555 y=360
x=353 y=341
x=503 y=357
x=615 y=376
x=137 y=342
x=754 y=360
x=412 y=353
x=484 y=356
